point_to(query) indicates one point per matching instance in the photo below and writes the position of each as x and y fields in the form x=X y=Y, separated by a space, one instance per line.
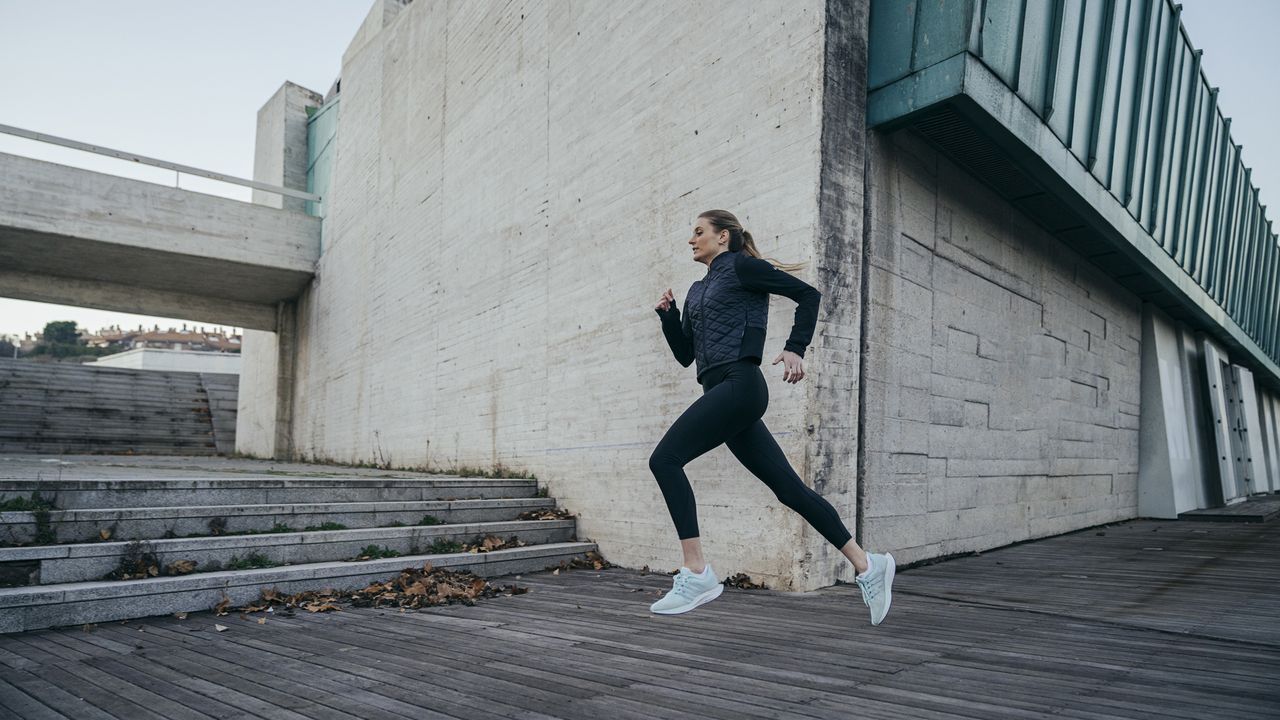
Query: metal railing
x=163 y=164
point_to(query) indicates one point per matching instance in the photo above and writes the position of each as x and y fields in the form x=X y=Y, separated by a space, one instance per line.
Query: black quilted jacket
x=726 y=313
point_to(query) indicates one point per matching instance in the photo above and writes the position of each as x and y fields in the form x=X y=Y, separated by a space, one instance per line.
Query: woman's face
x=706 y=241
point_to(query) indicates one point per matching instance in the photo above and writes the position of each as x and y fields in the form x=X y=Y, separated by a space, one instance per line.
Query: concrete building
x=149 y=358
x=1048 y=286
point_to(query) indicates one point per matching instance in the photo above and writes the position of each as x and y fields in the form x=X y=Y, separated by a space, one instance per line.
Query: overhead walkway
x=77 y=237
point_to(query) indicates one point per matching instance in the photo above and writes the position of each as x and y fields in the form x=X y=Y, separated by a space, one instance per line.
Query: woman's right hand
x=666 y=302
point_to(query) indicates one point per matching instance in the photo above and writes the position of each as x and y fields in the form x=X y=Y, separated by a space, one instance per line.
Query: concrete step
x=44 y=606
x=109 y=448
x=161 y=401
x=44 y=370
x=72 y=386
x=53 y=564
x=105 y=433
x=85 y=525
x=250 y=489
x=17 y=413
x=26 y=368
x=105 y=420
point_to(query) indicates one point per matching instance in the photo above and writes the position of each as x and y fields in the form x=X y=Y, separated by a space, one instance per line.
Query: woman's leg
x=708 y=422
x=756 y=449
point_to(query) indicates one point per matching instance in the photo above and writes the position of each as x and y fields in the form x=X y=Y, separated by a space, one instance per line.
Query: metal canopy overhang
x=974 y=118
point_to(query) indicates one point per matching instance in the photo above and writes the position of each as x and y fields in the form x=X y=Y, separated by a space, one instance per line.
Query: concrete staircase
x=68 y=408
x=54 y=563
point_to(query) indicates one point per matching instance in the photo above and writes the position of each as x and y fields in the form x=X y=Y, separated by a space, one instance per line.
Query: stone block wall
x=1002 y=372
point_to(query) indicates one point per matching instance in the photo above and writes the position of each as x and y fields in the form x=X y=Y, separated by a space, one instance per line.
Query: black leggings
x=734 y=397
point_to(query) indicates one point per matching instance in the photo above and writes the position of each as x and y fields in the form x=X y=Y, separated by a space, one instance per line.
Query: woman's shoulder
x=752 y=265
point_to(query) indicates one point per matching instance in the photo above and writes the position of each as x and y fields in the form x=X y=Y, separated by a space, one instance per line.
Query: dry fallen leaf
x=105 y=533
x=219 y=628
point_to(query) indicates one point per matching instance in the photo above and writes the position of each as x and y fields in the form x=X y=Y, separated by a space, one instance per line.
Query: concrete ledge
x=91 y=602
x=253 y=489
x=155 y=522
x=93 y=561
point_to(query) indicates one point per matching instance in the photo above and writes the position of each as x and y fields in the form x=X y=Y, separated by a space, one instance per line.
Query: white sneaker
x=877 y=585
x=688 y=591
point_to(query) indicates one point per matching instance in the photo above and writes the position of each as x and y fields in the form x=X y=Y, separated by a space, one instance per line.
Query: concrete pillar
x=1267 y=408
x=280 y=151
x=1217 y=366
x=1247 y=434
x=1171 y=439
x=264 y=420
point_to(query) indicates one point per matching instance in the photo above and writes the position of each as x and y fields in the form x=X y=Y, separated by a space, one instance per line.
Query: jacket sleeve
x=678 y=332
x=761 y=276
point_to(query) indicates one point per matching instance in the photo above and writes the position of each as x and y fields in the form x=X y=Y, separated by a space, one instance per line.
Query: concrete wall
x=513 y=187
x=1002 y=371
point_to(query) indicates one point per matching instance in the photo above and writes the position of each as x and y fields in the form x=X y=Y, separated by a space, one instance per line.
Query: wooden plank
x=427 y=661
x=57 y=698
x=411 y=687
x=141 y=696
x=264 y=668
x=621 y=677
x=111 y=703
x=22 y=705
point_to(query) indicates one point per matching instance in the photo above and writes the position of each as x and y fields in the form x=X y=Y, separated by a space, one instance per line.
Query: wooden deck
x=1144 y=619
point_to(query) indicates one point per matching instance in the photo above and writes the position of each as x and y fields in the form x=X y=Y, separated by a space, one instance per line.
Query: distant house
x=194 y=339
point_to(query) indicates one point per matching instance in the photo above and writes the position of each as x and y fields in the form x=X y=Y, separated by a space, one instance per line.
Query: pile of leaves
x=413 y=588
x=739 y=580
x=556 y=514
x=592 y=561
x=492 y=542
x=743 y=582
x=139 y=562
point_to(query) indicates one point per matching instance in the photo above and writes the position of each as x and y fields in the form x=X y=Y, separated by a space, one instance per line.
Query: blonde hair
x=740 y=239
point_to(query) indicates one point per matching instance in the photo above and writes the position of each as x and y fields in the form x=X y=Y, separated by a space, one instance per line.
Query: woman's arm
x=678 y=333
x=761 y=276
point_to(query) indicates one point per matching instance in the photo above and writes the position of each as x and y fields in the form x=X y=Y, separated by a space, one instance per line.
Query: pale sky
x=179 y=80
x=182 y=80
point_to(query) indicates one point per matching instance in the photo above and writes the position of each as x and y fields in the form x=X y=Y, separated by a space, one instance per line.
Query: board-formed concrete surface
x=1002 y=377
x=512 y=190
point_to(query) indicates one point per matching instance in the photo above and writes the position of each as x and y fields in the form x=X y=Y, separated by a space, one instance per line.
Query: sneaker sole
x=888 y=589
x=702 y=599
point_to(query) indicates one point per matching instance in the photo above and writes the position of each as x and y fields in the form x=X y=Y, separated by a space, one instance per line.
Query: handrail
x=120 y=154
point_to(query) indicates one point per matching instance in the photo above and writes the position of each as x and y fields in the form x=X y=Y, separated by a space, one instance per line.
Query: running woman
x=723 y=330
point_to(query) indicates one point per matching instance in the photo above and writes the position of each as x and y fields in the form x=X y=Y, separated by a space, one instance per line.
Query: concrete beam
x=77 y=224
x=121 y=297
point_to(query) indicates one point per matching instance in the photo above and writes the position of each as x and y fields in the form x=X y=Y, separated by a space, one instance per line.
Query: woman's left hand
x=794 y=367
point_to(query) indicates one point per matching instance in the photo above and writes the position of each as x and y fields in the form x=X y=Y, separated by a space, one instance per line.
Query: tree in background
x=7 y=349
x=62 y=339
